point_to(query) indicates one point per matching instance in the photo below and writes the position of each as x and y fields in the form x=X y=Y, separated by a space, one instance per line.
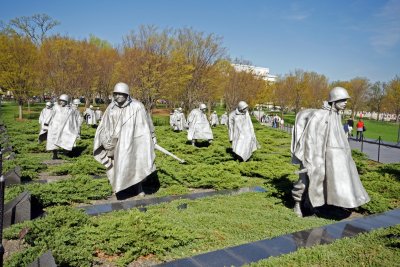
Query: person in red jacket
x=360 y=130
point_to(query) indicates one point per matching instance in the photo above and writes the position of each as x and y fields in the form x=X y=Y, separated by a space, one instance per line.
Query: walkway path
x=387 y=154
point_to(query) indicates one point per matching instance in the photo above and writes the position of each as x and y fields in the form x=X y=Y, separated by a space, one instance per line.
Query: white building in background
x=259 y=71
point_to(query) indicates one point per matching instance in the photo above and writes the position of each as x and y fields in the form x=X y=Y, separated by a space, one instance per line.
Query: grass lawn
x=166 y=232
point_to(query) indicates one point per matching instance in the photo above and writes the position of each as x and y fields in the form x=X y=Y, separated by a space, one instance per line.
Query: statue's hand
x=108 y=145
x=154 y=140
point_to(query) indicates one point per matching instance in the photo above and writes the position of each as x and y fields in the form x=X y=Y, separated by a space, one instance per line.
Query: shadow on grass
x=393 y=168
x=199 y=143
x=76 y=151
x=283 y=186
x=150 y=186
x=283 y=190
x=229 y=150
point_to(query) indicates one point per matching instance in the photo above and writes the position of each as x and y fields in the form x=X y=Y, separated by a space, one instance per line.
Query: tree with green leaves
x=376 y=96
x=18 y=67
x=392 y=101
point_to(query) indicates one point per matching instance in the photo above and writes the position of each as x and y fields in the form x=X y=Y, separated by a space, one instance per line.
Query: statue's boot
x=297 y=209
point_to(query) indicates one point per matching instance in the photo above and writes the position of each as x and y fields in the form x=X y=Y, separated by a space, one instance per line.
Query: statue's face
x=341 y=104
x=243 y=110
x=63 y=103
x=203 y=110
x=120 y=98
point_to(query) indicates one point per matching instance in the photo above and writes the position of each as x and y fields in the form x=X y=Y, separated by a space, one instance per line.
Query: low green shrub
x=79 y=189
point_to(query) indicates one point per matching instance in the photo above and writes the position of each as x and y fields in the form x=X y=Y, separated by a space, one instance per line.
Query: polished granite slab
x=263 y=249
x=129 y=204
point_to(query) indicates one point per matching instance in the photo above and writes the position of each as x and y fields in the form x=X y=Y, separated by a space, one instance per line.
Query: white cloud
x=296 y=13
x=387 y=32
x=297 y=17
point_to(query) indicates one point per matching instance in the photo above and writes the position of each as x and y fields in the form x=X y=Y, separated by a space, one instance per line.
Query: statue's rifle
x=166 y=152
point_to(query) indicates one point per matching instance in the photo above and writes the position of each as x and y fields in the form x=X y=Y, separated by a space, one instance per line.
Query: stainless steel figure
x=75 y=105
x=241 y=132
x=214 y=119
x=90 y=116
x=44 y=120
x=327 y=171
x=124 y=141
x=99 y=114
x=63 y=126
x=224 y=119
x=179 y=120
x=199 y=128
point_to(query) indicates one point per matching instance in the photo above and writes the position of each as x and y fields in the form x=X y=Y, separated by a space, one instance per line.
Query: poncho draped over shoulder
x=320 y=145
x=134 y=155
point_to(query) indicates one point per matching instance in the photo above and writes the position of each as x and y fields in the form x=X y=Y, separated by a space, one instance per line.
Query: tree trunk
x=20 y=109
x=29 y=106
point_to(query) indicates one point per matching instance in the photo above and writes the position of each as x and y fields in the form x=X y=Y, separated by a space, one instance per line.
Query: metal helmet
x=121 y=88
x=203 y=106
x=338 y=93
x=48 y=104
x=242 y=105
x=76 y=101
x=64 y=97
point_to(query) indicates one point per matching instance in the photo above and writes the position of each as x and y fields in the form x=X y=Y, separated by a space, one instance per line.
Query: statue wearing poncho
x=44 y=120
x=224 y=119
x=199 y=127
x=63 y=127
x=241 y=132
x=179 y=120
x=124 y=143
x=90 y=116
x=214 y=119
x=319 y=145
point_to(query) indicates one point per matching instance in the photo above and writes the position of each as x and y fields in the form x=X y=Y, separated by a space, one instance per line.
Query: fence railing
x=378 y=142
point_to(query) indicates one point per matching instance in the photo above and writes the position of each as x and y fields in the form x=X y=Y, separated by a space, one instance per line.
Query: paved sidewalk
x=387 y=154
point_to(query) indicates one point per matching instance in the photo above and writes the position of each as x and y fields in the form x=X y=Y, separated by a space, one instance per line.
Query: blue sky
x=341 y=39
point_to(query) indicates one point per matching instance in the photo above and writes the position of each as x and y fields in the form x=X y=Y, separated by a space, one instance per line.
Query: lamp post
x=2 y=186
x=398 y=132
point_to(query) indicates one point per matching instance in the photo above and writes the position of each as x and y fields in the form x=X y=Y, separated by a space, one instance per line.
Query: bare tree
x=35 y=27
x=202 y=52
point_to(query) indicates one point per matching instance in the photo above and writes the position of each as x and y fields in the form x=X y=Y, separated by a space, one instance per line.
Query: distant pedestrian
x=350 y=123
x=360 y=129
x=346 y=129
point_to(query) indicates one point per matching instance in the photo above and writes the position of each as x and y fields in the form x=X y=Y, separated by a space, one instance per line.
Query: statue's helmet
x=76 y=101
x=180 y=109
x=64 y=97
x=121 y=88
x=202 y=106
x=90 y=106
x=48 y=104
x=242 y=105
x=215 y=112
x=338 y=93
